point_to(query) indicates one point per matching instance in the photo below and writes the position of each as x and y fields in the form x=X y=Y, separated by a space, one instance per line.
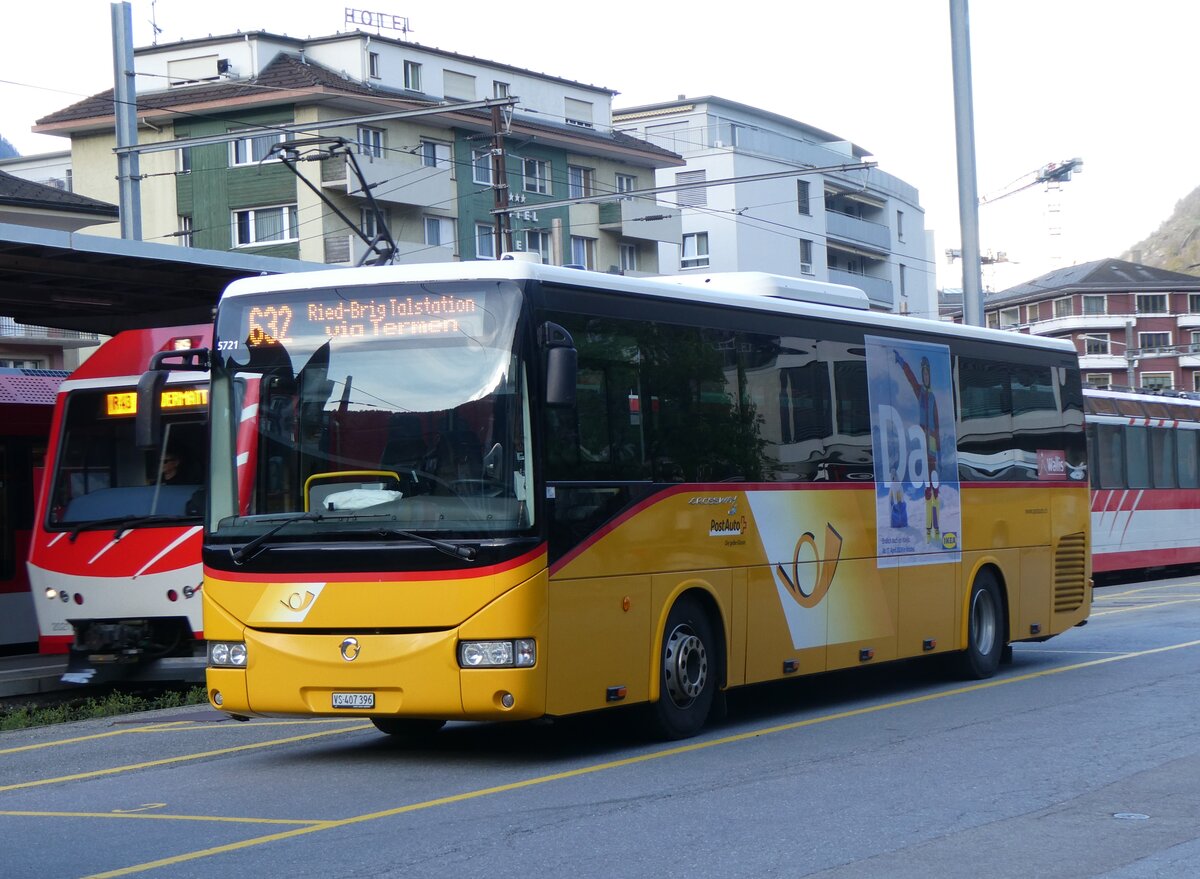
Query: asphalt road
x=1081 y=758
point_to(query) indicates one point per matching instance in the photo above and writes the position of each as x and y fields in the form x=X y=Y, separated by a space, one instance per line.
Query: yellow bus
x=499 y=490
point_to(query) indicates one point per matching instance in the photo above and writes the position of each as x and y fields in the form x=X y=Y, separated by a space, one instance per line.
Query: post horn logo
x=350 y=649
x=809 y=590
x=298 y=602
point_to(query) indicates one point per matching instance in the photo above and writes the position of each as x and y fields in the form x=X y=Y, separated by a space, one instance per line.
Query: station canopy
x=92 y=283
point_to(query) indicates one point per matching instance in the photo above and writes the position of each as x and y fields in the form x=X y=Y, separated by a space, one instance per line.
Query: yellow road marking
x=166 y=761
x=1154 y=588
x=1105 y=613
x=173 y=726
x=617 y=764
x=144 y=816
x=155 y=727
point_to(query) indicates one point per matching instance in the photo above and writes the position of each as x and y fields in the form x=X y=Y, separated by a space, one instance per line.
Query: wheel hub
x=685 y=666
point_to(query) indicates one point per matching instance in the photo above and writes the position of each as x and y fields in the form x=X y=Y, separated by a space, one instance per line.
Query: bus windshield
x=356 y=410
x=101 y=476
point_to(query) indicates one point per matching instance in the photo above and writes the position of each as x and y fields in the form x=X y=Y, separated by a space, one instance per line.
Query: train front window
x=102 y=476
x=363 y=409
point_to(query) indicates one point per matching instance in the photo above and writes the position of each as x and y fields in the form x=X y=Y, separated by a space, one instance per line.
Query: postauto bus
x=500 y=490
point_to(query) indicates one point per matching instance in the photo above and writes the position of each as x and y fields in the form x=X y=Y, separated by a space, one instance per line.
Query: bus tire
x=408 y=730
x=687 y=674
x=986 y=632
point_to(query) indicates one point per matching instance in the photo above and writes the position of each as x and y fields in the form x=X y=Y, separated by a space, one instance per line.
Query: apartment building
x=210 y=110
x=862 y=227
x=1133 y=325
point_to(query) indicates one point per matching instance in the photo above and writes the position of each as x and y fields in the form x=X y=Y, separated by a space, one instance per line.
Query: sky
x=1107 y=82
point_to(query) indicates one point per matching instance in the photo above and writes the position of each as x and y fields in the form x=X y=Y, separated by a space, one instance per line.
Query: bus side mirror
x=562 y=363
x=147 y=425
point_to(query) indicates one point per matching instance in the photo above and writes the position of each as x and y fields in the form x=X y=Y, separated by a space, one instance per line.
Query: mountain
x=1176 y=244
x=7 y=150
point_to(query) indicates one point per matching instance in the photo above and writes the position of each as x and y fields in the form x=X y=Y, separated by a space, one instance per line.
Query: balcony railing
x=10 y=329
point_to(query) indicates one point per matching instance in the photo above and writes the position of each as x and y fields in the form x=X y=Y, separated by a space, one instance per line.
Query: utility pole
x=504 y=242
x=968 y=198
x=125 y=111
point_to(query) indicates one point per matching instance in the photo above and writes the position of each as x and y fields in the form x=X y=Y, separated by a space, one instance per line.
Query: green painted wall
x=213 y=190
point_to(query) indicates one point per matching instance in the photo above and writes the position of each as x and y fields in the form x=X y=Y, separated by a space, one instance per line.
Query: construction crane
x=1052 y=174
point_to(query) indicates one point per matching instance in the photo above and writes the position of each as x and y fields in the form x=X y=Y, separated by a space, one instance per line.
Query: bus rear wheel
x=687 y=676
x=985 y=629
x=408 y=730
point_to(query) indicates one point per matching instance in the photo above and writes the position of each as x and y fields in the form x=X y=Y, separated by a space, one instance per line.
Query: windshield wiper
x=250 y=549
x=123 y=523
x=467 y=553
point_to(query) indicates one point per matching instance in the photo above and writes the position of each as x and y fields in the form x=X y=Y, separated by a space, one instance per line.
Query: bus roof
x=744 y=290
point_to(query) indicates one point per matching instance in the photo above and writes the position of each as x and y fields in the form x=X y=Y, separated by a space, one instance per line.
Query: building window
x=265 y=226
x=577 y=112
x=369 y=222
x=537 y=241
x=626 y=183
x=500 y=89
x=370 y=141
x=899 y=225
x=485 y=241
x=458 y=86
x=481 y=166
x=993 y=320
x=435 y=154
x=1154 y=340
x=1152 y=303
x=903 y=279
x=579 y=182
x=1194 y=303
x=806 y=256
x=802 y=203
x=695 y=197
x=1009 y=317
x=1195 y=345
x=1158 y=380
x=373 y=64
x=1033 y=312
x=627 y=256
x=185 y=160
x=250 y=150
x=21 y=363
x=537 y=176
x=1096 y=343
x=583 y=252
x=439 y=232
x=1095 y=304
x=1062 y=307
x=1099 y=379
x=412 y=76
x=185 y=230
x=695 y=250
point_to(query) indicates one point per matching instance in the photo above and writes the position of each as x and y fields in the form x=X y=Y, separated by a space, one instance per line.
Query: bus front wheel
x=408 y=730
x=985 y=629
x=687 y=677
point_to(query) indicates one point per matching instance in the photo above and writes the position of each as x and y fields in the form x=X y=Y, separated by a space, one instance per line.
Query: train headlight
x=227 y=654
x=520 y=653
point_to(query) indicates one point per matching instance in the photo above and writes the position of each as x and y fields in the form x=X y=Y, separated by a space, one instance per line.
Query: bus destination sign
x=122 y=403
x=432 y=315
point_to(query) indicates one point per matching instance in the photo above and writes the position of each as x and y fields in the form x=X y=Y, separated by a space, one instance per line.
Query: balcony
x=878 y=290
x=399 y=180
x=1080 y=322
x=349 y=249
x=13 y=333
x=856 y=231
x=642 y=219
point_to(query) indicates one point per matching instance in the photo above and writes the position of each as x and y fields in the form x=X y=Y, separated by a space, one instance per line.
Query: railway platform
x=30 y=674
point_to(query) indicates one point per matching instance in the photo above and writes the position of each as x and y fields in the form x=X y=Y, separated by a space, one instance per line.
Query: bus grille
x=1070 y=569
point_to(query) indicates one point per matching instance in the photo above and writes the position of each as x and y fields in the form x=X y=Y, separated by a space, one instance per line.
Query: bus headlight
x=227 y=654
x=521 y=653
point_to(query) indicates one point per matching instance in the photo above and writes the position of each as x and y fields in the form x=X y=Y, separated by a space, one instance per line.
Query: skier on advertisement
x=927 y=404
